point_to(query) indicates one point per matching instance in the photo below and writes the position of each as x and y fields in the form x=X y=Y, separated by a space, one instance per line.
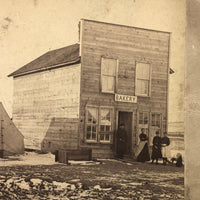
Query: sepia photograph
x=93 y=99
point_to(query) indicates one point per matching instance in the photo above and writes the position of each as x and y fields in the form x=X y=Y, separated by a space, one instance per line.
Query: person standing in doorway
x=165 y=148
x=142 y=153
x=156 y=150
x=121 y=141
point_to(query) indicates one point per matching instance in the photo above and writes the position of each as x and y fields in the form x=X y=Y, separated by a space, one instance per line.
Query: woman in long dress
x=165 y=148
x=143 y=150
x=156 y=149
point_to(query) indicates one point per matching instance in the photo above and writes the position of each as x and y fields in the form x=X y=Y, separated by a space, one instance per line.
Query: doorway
x=126 y=118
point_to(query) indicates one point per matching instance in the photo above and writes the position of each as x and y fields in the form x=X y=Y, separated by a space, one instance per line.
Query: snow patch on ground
x=61 y=185
x=135 y=183
x=34 y=158
x=23 y=185
x=36 y=181
x=29 y=158
x=73 y=162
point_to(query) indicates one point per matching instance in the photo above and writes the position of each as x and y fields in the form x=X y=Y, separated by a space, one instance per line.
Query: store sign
x=125 y=98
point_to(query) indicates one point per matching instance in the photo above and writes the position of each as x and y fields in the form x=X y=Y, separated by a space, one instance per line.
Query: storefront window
x=99 y=127
x=92 y=123
x=105 y=125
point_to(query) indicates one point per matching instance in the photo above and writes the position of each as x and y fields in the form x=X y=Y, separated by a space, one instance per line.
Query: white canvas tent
x=11 y=139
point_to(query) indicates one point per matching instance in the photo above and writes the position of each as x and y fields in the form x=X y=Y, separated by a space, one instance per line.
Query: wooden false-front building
x=76 y=96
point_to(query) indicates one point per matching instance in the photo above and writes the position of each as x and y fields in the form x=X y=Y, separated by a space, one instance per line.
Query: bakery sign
x=125 y=98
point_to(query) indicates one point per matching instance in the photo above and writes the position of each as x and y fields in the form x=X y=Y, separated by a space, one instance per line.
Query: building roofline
x=76 y=61
x=58 y=58
x=126 y=26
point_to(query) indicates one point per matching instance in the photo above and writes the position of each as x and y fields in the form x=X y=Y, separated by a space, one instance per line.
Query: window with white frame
x=92 y=124
x=99 y=124
x=143 y=117
x=105 y=124
x=108 y=75
x=142 y=83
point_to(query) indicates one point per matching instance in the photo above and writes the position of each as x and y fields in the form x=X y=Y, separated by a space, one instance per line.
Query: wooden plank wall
x=128 y=45
x=46 y=107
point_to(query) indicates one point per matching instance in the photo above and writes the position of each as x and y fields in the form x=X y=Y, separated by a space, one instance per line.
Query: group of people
x=160 y=148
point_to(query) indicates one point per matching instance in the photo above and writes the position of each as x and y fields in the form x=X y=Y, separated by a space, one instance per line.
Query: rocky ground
x=104 y=179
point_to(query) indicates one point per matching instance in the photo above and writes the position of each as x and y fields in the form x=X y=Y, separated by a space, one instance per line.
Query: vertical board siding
x=46 y=107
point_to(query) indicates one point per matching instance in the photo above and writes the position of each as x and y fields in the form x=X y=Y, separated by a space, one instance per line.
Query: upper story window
x=108 y=75
x=143 y=79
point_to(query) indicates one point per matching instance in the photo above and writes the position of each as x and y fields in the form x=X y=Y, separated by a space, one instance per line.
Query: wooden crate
x=63 y=156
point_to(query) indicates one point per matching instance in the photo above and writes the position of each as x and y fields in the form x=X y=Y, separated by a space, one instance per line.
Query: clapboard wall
x=129 y=45
x=46 y=108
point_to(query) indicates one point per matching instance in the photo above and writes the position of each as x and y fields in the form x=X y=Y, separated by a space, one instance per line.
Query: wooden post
x=2 y=142
x=56 y=156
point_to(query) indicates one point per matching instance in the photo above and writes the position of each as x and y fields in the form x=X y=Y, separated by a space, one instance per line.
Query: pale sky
x=30 y=28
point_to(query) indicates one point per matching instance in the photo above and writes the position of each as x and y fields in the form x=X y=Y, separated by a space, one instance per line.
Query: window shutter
x=108 y=75
x=142 y=84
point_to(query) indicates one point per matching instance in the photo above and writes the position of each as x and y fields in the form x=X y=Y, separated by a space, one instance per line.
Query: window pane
x=108 y=66
x=105 y=117
x=143 y=71
x=140 y=118
x=164 y=126
x=102 y=137
x=158 y=123
x=156 y=120
x=92 y=115
x=146 y=118
x=107 y=137
x=108 y=83
x=88 y=136
x=94 y=136
x=142 y=87
x=143 y=118
x=153 y=118
x=102 y=128
x=94 y=129
x=108 y=70
x=89 y=117
x=89 y=129
x=108 y=128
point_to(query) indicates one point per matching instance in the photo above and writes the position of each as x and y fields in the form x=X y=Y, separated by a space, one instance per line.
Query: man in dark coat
x=121 y=141
x=156 y=150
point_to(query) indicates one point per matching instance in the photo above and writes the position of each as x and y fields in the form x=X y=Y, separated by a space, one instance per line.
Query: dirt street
x=104 y=179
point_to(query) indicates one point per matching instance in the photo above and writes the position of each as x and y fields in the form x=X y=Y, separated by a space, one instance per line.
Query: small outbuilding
x=11 y=139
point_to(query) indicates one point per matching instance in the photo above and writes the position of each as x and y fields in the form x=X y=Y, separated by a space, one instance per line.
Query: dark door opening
x=126 y=118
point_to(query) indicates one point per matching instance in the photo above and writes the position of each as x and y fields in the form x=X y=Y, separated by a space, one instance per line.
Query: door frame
x=132 y=124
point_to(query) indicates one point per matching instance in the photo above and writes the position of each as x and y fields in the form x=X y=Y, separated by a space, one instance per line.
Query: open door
x=126 y=118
